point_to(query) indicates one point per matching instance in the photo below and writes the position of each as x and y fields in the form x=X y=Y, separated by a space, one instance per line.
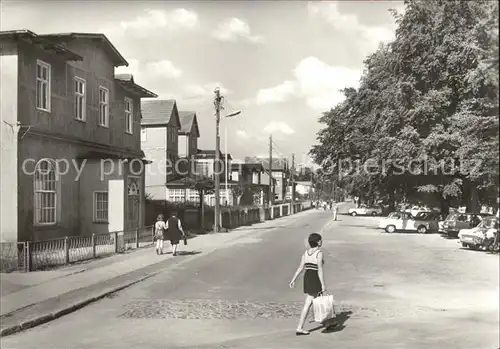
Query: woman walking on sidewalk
x=174 y=232
x=159 y=233
x=314 y=283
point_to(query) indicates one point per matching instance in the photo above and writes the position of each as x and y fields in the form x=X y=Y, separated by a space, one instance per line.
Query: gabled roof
x=189 y=123
x=158 y=112
x=210 y=154
x=127 y=82
x=42 y=42
x=257 y=167
x=279 y=164
x=116 y=57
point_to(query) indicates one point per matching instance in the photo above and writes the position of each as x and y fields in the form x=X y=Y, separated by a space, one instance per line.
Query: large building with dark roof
x=71 y=151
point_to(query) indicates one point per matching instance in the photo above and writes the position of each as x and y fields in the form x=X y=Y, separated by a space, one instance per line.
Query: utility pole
x=311 y=188
x=217 y=160
x=271 y=198
x=292 y=179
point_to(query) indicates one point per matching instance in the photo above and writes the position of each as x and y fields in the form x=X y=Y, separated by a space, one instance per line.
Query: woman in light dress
x=160 y=228
x=314 y=283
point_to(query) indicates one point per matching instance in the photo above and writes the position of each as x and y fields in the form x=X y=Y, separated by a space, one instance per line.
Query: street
x=393 y=291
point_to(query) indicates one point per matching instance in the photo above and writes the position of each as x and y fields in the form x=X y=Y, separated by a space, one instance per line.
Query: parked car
x=414 y=210
x=433 y=217
x=458 y=221
x=474 y=238
x=364 y=210
x=404 y=221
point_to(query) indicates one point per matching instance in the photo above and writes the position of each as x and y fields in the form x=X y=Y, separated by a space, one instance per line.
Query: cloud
x=317 y=82
x=349 y=24
x=153 y=20
x=279 y=93
x=133 y=68
x=232 y=29
x=205 y=90
x=164 y=69
x=321 y=84
x=242 y=134
x=276 y=126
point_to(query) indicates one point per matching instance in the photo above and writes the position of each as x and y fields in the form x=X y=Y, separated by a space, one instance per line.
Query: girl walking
x=159 y=233
x=314 y=283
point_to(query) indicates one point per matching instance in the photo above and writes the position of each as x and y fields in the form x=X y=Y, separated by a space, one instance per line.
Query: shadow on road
x=334 y=325
x=187 y=253
x=359 y=226
x=447 y=237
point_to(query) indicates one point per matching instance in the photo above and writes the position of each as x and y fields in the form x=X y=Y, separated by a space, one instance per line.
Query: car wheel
x=354 y=214
x=374 y=213
x=422 y=229
x=390 y=229
x=464 y=245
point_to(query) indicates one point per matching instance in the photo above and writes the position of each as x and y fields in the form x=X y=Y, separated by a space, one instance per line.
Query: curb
x=42 y=319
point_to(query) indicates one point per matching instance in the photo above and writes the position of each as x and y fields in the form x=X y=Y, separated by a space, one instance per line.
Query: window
x=129 y=118
x=103 y=106
x=101 y=206
x=45 y=193
x=79 y=99
x=43 y=85
x=144 y=134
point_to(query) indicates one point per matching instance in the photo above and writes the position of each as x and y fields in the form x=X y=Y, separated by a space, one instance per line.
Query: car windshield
x=456 y=216
x=424 y=215
x=450 y=217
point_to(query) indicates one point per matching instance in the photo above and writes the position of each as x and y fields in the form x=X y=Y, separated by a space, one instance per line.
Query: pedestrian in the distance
x=159 y=233
x=335 y=212
x=314 y=283
x=174 y=232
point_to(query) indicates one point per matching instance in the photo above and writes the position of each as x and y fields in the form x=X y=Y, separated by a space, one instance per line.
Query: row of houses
x=81 y=150
x=169 y=138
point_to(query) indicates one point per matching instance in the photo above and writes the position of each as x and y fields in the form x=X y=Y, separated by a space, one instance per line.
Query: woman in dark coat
x=174 y=232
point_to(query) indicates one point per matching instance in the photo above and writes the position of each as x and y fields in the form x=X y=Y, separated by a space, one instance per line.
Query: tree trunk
x=392 y=200
x=202 y=210
x=473 y=199
x=445 y=206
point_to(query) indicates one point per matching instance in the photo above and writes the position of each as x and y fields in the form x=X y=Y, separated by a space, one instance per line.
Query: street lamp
x=217 y=103
x=230 y=115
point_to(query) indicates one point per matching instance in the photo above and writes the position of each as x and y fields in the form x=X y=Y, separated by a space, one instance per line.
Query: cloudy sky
x=281 y=63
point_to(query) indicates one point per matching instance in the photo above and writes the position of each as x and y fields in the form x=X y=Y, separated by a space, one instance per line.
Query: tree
x=427 y=101
x=242 y=190
x=238 y=191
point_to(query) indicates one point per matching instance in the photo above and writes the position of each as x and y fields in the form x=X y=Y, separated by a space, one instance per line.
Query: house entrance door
x=133 y=203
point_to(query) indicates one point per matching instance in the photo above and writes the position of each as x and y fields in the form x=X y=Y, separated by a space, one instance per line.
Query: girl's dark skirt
x=312 y=284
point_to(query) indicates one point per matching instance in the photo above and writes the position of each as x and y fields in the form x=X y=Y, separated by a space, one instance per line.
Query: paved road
x=404 y=291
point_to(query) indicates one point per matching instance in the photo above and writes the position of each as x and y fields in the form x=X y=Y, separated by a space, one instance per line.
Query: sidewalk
x=37 y=297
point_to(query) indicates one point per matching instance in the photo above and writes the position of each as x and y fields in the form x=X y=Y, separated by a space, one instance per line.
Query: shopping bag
x=323 y=307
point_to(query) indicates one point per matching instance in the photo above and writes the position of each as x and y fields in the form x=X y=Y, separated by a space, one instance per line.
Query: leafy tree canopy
x=425 y=116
